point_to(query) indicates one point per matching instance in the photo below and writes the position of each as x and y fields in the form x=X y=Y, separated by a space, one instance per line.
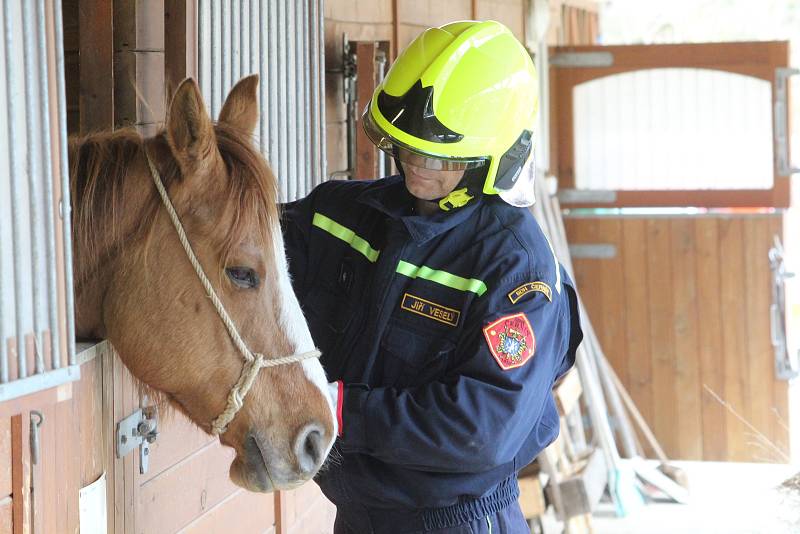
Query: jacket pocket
x=411 y=357
x=328 y=313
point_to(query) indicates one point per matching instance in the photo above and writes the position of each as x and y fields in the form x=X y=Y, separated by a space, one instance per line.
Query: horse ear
x=241 y=106
x=190 y=131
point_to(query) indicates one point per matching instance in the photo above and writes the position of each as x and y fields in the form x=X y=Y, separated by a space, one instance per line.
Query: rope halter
x=254 y=361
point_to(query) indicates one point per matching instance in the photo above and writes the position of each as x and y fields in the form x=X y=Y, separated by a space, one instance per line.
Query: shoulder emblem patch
x=511 y=340
x=529 y=287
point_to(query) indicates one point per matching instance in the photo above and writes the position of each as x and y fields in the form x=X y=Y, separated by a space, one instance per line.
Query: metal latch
x=787 y=365
x=139 y=429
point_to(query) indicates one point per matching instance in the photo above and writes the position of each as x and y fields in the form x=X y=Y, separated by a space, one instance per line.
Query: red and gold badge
x=511 y=340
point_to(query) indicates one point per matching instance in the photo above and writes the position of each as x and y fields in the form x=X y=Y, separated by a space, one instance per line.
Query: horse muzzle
x=262 y=467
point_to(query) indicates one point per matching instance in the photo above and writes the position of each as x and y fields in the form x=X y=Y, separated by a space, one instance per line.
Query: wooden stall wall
x=118 y=74
x=42 y=495
x=682 y=311
x=573 y=22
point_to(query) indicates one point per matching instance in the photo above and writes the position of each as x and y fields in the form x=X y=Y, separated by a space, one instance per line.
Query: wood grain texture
x=366 y=163
x=139 y=74
x=96 y=49
x=304 y=511
x=698 y=355
x=709 y=331
x=180 y=43
x=186 y=491
x=178 y=439
x=612 y=291
x=509 y=12
x=662 y=345
x=685 y=334
x=20 y=469
x=6 y=514
x=760 y=356
x=733 y=339
x=638 y=369
x=242 y=511
x=5 y=457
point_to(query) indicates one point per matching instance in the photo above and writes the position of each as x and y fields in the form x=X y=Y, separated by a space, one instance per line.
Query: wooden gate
x=680 y=298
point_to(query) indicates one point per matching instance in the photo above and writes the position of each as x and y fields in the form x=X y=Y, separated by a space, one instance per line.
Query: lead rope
x=254 y=361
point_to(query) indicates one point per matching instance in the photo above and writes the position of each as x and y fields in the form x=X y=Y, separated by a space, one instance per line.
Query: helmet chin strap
x=469 y=188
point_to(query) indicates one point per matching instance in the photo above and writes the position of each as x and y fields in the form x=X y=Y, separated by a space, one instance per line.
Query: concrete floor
x=725 y=499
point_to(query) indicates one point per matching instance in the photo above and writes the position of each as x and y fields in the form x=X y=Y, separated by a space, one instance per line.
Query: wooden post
x=395 y=30
x=180 y=43
x=139 y=98
x=365 y=164
x=20 y=475
x=96 y=100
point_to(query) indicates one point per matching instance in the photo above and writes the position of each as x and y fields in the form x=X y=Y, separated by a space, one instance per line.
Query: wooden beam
x=96 y=50
x=366 y=161
x=20 y=471
x=395 y=29
x=180 y=43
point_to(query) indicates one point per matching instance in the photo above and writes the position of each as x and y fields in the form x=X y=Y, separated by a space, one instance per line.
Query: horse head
x=136 y=286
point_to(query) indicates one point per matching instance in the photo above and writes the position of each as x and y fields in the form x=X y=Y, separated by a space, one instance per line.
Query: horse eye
x=242 y=277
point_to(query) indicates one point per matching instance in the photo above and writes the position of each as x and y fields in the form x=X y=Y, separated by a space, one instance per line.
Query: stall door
x=672 y=162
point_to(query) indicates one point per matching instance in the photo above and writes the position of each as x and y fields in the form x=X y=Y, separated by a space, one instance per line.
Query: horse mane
x=100 y=165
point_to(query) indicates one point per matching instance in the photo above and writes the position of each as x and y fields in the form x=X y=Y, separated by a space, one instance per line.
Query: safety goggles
x=409 y=156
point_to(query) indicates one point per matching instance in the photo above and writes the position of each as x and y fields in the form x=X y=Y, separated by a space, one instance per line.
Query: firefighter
x=441 y=310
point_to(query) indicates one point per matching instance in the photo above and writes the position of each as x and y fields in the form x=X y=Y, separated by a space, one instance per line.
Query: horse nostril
x=309 y=448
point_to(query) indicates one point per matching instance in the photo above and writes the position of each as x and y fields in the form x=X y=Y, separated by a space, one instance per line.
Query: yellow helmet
x=464 y=95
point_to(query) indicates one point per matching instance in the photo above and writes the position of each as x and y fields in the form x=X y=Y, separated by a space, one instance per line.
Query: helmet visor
x=413 y=157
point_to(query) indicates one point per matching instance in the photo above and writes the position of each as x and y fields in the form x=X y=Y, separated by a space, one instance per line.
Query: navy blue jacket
x=448 y=332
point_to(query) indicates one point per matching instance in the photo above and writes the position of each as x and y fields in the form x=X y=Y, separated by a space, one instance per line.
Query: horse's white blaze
x=296 y=329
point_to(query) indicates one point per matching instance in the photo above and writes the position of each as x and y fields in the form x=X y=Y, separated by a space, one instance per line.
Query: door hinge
x=781 y=121
x=140 y=429
x=582 y=59
x=593 y=251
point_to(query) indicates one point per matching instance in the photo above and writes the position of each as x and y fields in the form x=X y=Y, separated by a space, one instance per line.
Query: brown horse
x=135 y=286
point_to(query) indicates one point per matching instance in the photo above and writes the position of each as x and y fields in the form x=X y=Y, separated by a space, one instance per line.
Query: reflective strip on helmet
x=442 y=277
x=345 y=234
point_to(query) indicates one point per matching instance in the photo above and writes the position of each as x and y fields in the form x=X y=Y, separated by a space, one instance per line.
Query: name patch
x=431 y=310
x=529 y=287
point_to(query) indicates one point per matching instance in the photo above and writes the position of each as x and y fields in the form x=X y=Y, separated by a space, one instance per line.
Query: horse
x=135 y=284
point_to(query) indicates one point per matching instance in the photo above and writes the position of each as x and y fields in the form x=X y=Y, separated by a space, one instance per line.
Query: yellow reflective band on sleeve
x=442 y=277
x=345 y=234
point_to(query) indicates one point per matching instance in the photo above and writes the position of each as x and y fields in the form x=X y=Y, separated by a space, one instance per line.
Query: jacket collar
x=390 y=196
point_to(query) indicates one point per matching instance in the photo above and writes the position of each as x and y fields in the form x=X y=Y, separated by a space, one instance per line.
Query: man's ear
x=190 y=132
x=240 y=110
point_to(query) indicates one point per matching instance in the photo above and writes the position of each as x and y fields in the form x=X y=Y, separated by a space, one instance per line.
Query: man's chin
x=422 y=193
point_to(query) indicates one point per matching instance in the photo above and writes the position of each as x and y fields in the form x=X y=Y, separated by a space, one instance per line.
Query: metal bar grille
x=34 y=257
x=281 y=41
